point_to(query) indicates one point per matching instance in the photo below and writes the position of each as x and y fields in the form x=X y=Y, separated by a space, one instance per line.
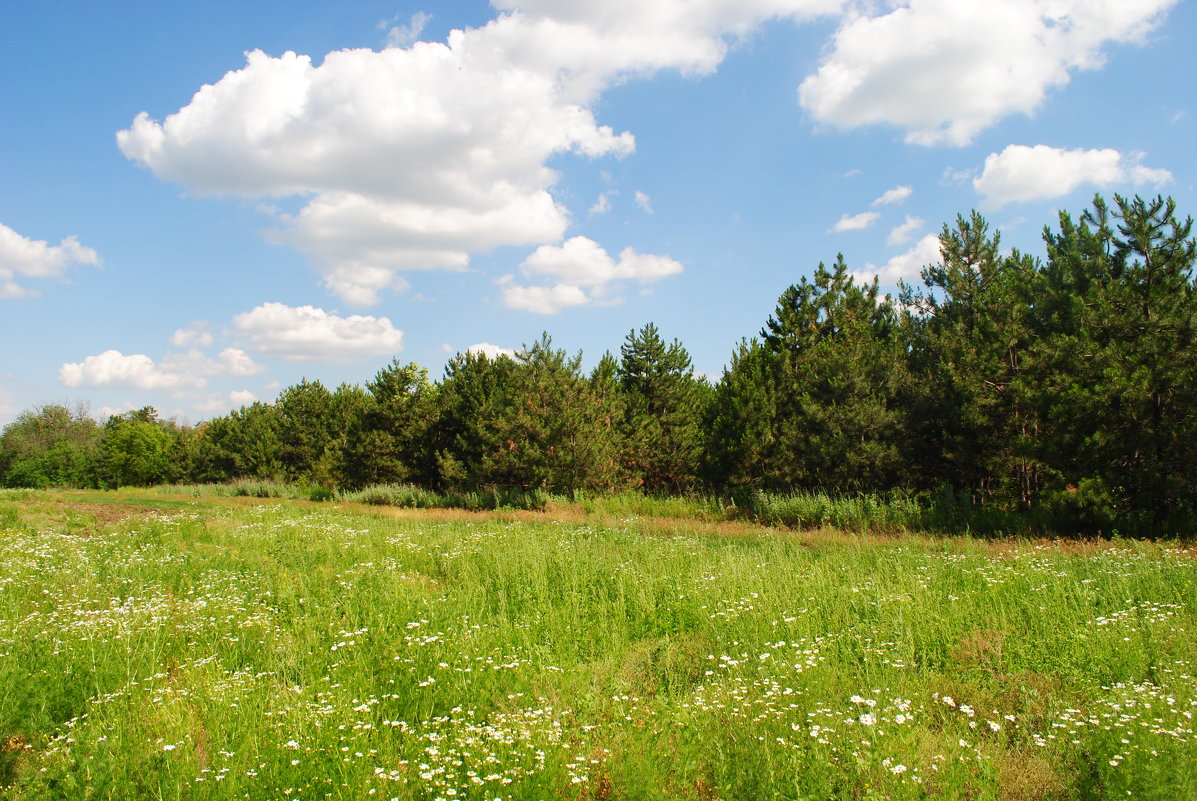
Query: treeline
x=1058 y=389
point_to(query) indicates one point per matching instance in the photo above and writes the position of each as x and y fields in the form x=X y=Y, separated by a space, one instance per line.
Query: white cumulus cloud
x=602 y=205
x=855 y=222
x=491 y=351
x=220 y=404
x=900 y=234
x=21 y=257
x=415 y=157
x=408 y=32
x=181 y=370
x=584 y=273
x=944 y=70
x=1020 y=173
x=544 y=299
x=307 y=333
x=195 y=335
x=135 y=371
x=896 y=195
x=906 y=266
x=242 y=397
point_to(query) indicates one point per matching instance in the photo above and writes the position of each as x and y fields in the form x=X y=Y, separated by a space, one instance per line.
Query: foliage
x=528 y=423
x=383 y=443
x=663 y=404
x=49 y=446
x=152 y=646
x=1118 y=362
x=136 y=450
x=1003 y=392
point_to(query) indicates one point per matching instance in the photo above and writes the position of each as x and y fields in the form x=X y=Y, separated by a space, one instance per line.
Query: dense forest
x=1060 y=388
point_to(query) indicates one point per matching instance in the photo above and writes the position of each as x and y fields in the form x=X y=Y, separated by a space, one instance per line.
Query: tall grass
x=206 y=649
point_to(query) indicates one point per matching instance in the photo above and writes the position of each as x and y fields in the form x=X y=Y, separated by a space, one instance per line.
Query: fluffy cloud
x=900 y=234
x=544 y=299
x=854 y=222
x=644 y=202
x=21 y=257
x=177 y=371
x=907 y=266
x=584 y=273
x=193 y=362
x=403 y=35
x=946 y=69
x=193 y=336
x=1020 y=173
x=8 y=404
x=414 y=158
x=306 y=333
x=136 y=371
x=602 y=205
x=215 y=404
x=242 y=397
x=896 y=195
x=491 y=351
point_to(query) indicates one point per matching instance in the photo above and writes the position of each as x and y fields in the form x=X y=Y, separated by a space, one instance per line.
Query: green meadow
x=161 y=646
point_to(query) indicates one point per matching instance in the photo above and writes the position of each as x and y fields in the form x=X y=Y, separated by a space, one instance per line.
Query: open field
x=163 y=646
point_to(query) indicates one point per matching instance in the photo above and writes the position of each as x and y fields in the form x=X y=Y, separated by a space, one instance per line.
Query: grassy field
x=165 y=646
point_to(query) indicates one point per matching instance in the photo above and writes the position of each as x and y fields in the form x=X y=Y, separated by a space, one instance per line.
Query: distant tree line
x=1062 y=387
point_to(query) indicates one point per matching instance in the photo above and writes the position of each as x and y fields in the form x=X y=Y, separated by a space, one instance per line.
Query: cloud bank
x=944 y=70
x=21 y=257
x=584 y=273
x=1020 y=173
x=306 y=333
x=415 y=157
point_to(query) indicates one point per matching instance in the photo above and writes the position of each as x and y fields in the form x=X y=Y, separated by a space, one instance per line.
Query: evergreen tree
x=305 y=429
x=663 y=408
x=609 y=398
x=838 y=370
x=740 y=443
x=532 y=422
x=1117 y=351
x=474 y=392
x=243 y=444
x=974 y=427
x=385 y=443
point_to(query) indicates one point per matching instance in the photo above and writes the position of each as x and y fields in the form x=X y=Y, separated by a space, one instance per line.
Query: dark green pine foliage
x=474 y=391
x=1117 y=325
x=348 y=404
x=305 y=429
x=663 y=408
x=740 y=434
x=243 y=444
x=609 y=398
x=839 y=370
x=385 y=443
x=973 y=425
x=555 y=434
x=529 y=423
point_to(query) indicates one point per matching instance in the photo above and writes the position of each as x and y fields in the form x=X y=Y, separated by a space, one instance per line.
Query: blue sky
x=205 y=203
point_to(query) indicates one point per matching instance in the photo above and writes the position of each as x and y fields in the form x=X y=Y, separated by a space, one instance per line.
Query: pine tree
x=740 y=440
x=838 y=371
x=974 y=422
x=663 y=407
x=1117 y=325
x=385 y=443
